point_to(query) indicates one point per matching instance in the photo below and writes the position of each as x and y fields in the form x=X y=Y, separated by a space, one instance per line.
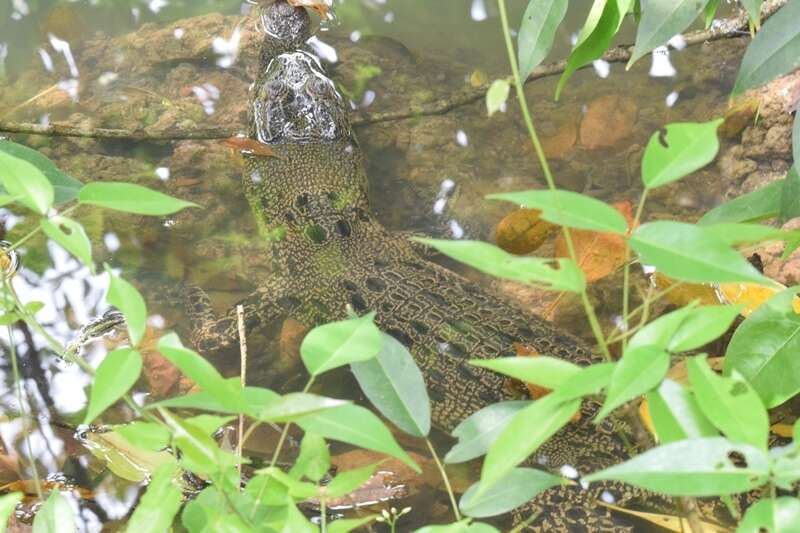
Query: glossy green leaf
x=71 y=236
x=517 y=488
x=296 y=405
x=395 y=386
x=159 y=505
x=702 y=325
x=65 y=187
x=340 y=343
x=640 y=370
x=528 y=430
x=537 y=31
x=314 y=460
x=681 y=150
x=772 y=515
x=549 y=372
x=761 y=204
x=676 y=415
x=688 y=253
x=147 y=435
x=131 y=198
x=479 y=430
x=357 y=426
x=661 y=20
x=115 y=376
x=729 y=403
x=694 y=467
x=774 y=51
x=790 y=194
x=497 y=95
x=567 y=208
x=26 y=183
x=764 y=349
x=549 y=274
x=8 y=503
x=127 y=299
x=55 y=516
x=346 y=482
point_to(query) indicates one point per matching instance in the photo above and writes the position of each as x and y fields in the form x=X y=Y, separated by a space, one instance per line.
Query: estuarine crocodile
x=329 y=255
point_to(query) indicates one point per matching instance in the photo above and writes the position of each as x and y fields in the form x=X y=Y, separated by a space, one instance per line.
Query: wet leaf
x=693 y=467
x=599 y=254
x=775 y=515
x=71 y=236
x=687 y=252
x=26 y=183
x=159 y=505
x=537 y=31
x=125 y=460
x=55 y=516
x=764 y=349
x=314 y=460
x=395 y=386
x=65 y=187
x=479 y=430
x=494 y=261
x=640 y=370
x=730 y=403
x=340 y=343
x=114 y=377
x=676 y=415
x=322 y=7
x=683 y=149
x=8 y=503
x=356 y=425
x=517 y=488
x=497 y=95
x=661 y=20
x=246 y=145
x=127 y=299
x=131 y=198
x=774 y=51
x=296 y=405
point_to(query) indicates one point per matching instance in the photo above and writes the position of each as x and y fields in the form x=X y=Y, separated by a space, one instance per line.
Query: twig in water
x=243 y=366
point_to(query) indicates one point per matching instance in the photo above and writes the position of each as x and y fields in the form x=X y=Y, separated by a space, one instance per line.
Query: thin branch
x=723 y=29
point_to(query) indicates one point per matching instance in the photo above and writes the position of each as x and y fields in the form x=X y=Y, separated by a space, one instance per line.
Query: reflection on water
x=77 y=62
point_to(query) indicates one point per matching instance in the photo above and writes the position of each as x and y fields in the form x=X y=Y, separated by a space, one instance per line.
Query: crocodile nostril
x=284 y=9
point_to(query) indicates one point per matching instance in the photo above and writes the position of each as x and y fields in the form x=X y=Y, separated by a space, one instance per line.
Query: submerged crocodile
x=329 y=255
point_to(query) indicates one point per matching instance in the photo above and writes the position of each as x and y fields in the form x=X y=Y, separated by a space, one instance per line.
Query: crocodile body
x=329 y=256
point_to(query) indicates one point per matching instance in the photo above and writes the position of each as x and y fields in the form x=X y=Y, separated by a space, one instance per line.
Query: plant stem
x=38 y=228
x=627 y=267
x=322 y=517
x=243 y=378
x=285 y=431
x=446 y=479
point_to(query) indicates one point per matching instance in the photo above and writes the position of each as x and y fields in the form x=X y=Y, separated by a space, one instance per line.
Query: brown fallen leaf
x=522 y=231
x=246 y=145
x=320 y=6
x=677 y=524
x=685 y=293
x=537 y=391
x=28 y=487
x=599 y=254
x=738 y=117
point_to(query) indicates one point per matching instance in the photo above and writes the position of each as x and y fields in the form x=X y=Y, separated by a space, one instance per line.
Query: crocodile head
x=285 y=27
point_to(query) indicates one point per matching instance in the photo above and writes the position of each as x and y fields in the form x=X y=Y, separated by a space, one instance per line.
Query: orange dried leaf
x=246 y=145
x=782 y=430
x=320 y=6
x=685 y=293
x=738 y=118
x=522 y=231
x=750 y=296
x=599 y=254
x=644 y=416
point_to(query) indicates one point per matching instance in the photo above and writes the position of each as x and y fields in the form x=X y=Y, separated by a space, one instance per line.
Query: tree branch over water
x=723 y=29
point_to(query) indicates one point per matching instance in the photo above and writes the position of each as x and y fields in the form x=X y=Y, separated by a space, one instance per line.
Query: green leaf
x=640 y=370
x=357 y=426
x=8 y=503
x=199 y=453
x=296 y=405
x=549 y=274
x=733 y=233
x=517 y=488
x=567 y=208
x=65 y=186
x=601 y=25
x=790 y=194
x=71 y=236
x=729 y=403
x=683 y=149
x=589 y=381
x=761 y=204
x=528 y=430
x=753 y=8
x=786 y=464
x=297 y=489
x=147 y=435
x=464 y=526
x=549 y=372
x=115 y=376
x=661 y=20
x=314 y=460
x=773 y=515
x=130 y=198
x=25 y=182
x=159 y=505
x=694 y=467
x=127 y=299
x=702 y=325
x=774 y=51
x=395 y=386
x=122 y=458
x=709 y=12
x=346 y=482
x=55 y=516
x=764 y=349
x=660 y=331
x=687 y=252
x=209 y=424
x=346 y=525
x=539 y=24
x=497 y=95
x=676 y=415
x=479 y=430
x=340 y=343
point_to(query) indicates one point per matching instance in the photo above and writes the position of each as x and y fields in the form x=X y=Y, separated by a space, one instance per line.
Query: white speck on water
x=107 y=78
x=662 y=66
x=447 y=186
x=478 y=11
x=677 y=42
x=388 y=18
x=169 y=223
x=648 y=269
x=355 y=36
x=157 y=5
x=349 y=149
x=456 y=229
x=323 y=50
x=136 y=13
x=369 y=98
x=462 y=139
x=568 y=472
x=439 y=205
x=111 y=241
x=207 y=94
x=70 y=87
x=227 y=49
x=63 y=48
x=584 y=484
x=672 y=98
x=163 y=173
x=47 y=61
x=179 y=33
x=157 y=321
x=255 y=177
x=573 y=39
x=21 y=8
x=602 y=68
x=44 y=120
x=607 y=497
